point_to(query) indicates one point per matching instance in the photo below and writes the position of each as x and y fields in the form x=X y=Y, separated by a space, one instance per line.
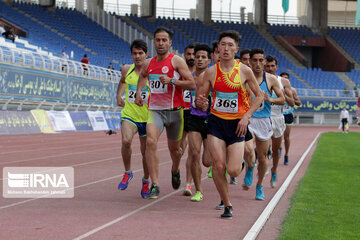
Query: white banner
x=61 y=121
x=97 y=120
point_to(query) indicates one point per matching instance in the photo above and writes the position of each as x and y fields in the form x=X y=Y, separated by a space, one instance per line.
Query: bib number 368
x=226 y=102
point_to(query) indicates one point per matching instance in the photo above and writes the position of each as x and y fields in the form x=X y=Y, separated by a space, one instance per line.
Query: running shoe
x=273 y=179
x=248 y=178
x=126 y=180
x=175 y=180
x=197 y=197
x=259 y=193
x=233 y=180
x=227 y=213
x=286 y=160
x=280 y=151
x=187 y=190
x=210 y=172
x=154 y=191
x=220 y=206
x=145 y=190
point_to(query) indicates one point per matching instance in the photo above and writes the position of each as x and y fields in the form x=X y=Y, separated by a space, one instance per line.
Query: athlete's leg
x=276 y=144
x=261 y=150
x=207 y=160
x=217 y=149
x=175 y=153
x=287 y=139
x=128 y=130
x=249 y=153
x=184 y=143
x=143 y=149
x=234 y=156
x=195 y=141
x=152 y=157
x=249 y=156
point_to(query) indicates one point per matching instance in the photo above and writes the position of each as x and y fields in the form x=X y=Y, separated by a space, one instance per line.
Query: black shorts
x=198 y=124
x=186 y=119
x=289 y=118
x=248 y=135
x=224 y=129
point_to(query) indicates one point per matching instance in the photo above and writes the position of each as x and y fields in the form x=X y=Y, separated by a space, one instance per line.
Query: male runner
x=133 y=117
x=189 y=56
x=277 y=117
x=230 y=112
x=260 y=122
x=245 y=57
x=289 y=119
x=197 y=124
x=168 y=75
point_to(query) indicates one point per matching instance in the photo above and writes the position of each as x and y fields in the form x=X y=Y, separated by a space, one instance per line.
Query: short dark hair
x=164 y=29
x=214 y=45
x=243 y=52
x=284 y=73
x=203 y=47
x=85 y=55
x=139 y=44
x=191 y=46
x=256 y=51
x=270 y=58
x=231 y=34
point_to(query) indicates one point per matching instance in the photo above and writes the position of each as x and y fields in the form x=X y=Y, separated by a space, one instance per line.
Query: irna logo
x=37 y=180
x=33 y=182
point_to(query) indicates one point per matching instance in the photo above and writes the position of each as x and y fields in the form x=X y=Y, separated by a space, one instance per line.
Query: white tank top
x=277 y=110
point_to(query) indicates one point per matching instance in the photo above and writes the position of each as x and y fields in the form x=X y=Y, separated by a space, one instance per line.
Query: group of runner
x=234 y=109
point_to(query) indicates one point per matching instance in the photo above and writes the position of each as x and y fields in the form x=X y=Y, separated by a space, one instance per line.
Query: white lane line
x=59 y=155
x=83 y=185
x=56 y=148
x=260 y=222
x=95 y=230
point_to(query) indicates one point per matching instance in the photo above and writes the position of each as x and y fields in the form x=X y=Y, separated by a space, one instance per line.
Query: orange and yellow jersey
x=230 y=98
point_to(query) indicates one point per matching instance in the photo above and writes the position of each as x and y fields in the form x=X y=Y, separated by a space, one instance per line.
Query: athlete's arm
x=122 y=86
x=289 y=98
x=187 y=81
x=252 y=83
x=204 y=84
x=296 y=97
x=274 y=86
x=143 y=77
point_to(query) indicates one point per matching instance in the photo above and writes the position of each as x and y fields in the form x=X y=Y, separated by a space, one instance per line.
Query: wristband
x=172 y=81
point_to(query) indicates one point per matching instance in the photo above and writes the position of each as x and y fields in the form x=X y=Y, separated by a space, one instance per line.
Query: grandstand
x=106 y=37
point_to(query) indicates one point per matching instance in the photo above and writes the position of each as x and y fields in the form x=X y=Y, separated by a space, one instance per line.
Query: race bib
x=155 y=85
x=287 y=108
x=193 y=99
x=186 y=96
x=132 y=93
x=226 y=102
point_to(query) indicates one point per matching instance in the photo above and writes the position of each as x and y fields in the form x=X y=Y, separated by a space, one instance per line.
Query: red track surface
x=112 y=214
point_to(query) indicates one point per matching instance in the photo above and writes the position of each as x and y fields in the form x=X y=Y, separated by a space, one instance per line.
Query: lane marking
x=59 y=155
x=95 y=230
x=264 y=216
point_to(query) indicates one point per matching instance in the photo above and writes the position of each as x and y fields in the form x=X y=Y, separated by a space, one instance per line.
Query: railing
x=342 y=22
x=122 y=9
x=328 y=93
x=29 y=59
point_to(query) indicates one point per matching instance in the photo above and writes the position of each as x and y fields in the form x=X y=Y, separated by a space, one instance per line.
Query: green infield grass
x=326 y=204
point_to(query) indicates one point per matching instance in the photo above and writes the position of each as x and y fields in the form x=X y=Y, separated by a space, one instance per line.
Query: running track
x=100 y=211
